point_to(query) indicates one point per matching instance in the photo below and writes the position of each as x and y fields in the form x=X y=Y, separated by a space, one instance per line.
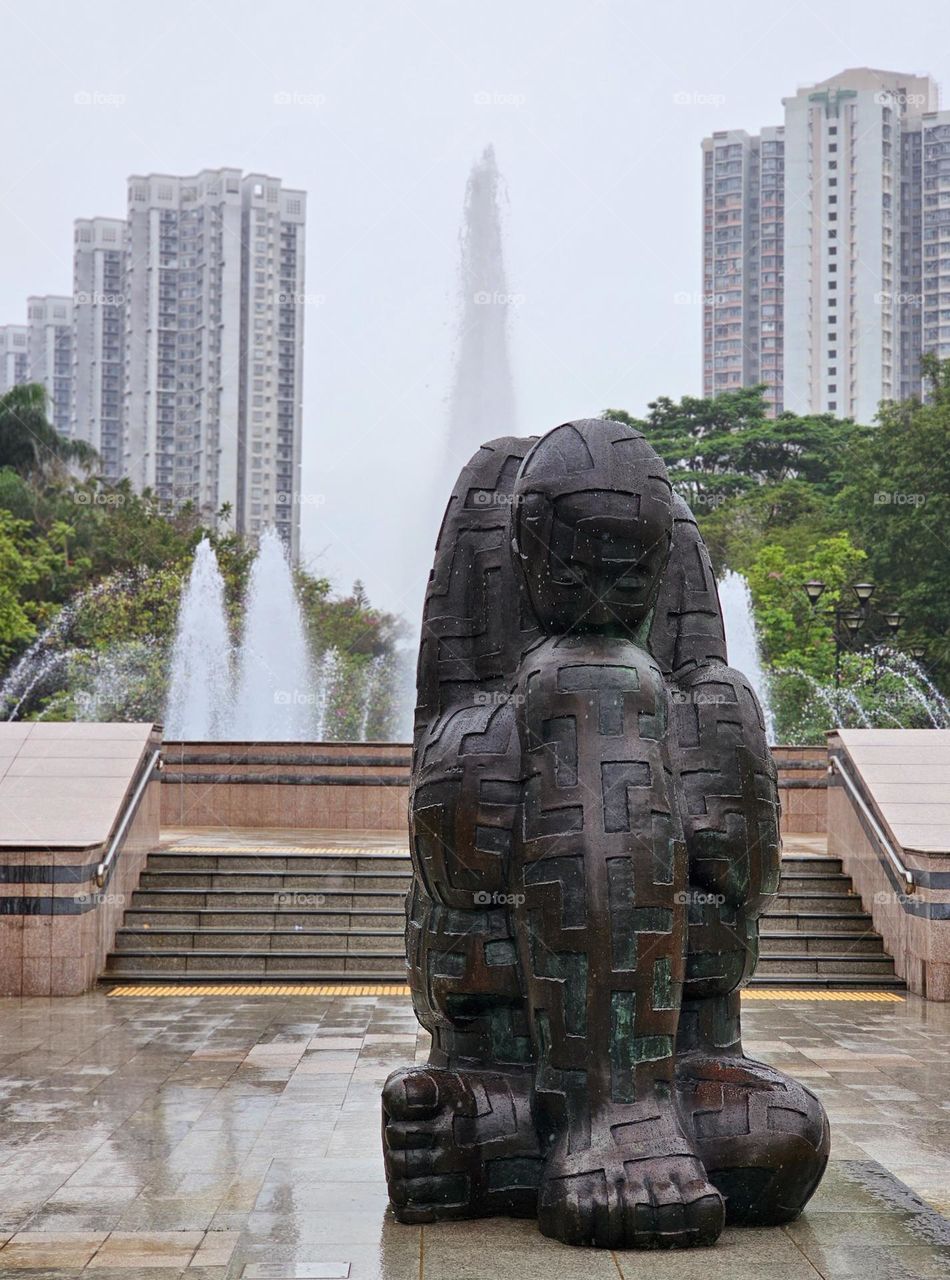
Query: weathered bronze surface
x=595 y=831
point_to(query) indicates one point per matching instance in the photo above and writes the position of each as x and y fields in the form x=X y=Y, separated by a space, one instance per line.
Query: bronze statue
x=594 y=828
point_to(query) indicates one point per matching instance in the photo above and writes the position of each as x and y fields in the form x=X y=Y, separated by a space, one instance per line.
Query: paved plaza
x=220 y=1137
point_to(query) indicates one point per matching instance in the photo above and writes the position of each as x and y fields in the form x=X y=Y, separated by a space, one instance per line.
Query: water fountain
x=203 y=686
x=482 y=400
x=275 y=697
x=51 y=652
x=200 y=703
x=881 y=688
x=742 y=641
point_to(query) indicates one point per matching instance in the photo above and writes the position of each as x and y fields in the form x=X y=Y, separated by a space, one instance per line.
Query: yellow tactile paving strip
x=876 y=997
x=390 y=989
x=260 y=989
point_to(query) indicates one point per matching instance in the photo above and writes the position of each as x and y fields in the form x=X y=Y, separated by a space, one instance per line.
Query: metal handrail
x=836 y=763
x=128 y=813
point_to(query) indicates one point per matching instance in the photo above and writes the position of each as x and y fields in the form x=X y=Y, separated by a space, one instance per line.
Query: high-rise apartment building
x=14 y=356
x=853 y=280
x=213 y=338
x=49 y=322
x=934 y=235
x=98 y=373
x=179 y=356
x=743 y=196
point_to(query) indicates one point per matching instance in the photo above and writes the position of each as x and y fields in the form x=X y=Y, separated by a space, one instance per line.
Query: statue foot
x=459 y=1144
x=762 y=1137
x=617 y=1194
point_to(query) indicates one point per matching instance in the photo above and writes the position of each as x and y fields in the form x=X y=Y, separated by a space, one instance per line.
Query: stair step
x=265 y=919
x=241 y=899
x=814 y=921
x=823 y=943
x=281 y=939
x=811 y=863
x=278 y=860
x=814 y=882
x=217 y=977
x=838 y=903
x=146 y=961
x=848 y=982
x=824 y=964
x=275 y=881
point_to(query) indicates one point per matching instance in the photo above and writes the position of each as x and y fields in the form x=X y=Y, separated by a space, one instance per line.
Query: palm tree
x=29 y=443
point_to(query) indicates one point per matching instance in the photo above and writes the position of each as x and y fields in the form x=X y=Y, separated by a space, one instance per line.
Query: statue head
x=592 y=520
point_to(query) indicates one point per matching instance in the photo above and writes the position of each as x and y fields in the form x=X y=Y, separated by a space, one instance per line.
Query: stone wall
x=342 y=786
x=913 y=918
x=803 y=788
x=364 y=786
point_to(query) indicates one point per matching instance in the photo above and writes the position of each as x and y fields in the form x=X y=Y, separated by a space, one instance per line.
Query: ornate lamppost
x=849 y=622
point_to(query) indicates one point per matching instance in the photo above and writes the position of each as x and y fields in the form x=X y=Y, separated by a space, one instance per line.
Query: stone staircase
x=262 y=914
x=223 y=911
x=817 y=934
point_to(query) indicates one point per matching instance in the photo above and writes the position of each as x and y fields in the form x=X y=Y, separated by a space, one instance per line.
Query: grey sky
x=596 y=111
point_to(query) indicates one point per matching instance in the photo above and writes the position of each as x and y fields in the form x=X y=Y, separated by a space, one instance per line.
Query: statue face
x=592 y=560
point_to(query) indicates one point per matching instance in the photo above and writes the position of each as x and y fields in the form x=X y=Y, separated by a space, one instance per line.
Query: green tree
x=29 y=443
x=722 y=448
x=793 y=633
x=25 y=561
x=896 y=499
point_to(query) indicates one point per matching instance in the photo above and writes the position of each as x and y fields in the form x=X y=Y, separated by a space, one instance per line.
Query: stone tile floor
x=217 y=1138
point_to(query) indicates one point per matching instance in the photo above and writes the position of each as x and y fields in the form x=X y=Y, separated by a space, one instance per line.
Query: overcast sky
x=596 y=111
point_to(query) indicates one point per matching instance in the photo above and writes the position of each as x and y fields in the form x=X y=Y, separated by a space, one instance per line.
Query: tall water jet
x=199 y=695
x=482 y=402
x=276 y=698
x=742 y=641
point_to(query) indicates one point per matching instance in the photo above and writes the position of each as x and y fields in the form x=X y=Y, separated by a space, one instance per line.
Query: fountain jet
x=276 y=695
x=199 y=693
x=742 y=641
x=482 y=402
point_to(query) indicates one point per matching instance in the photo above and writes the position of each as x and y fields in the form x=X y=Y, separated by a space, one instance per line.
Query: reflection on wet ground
x=238 y=1137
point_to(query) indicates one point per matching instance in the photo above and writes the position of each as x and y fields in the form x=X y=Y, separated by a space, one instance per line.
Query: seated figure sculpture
x=594 y=832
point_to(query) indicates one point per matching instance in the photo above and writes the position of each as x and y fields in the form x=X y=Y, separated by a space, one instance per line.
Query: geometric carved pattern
x=594 y=833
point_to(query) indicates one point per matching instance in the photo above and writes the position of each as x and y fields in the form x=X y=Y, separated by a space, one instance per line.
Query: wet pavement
x=237 y=1138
